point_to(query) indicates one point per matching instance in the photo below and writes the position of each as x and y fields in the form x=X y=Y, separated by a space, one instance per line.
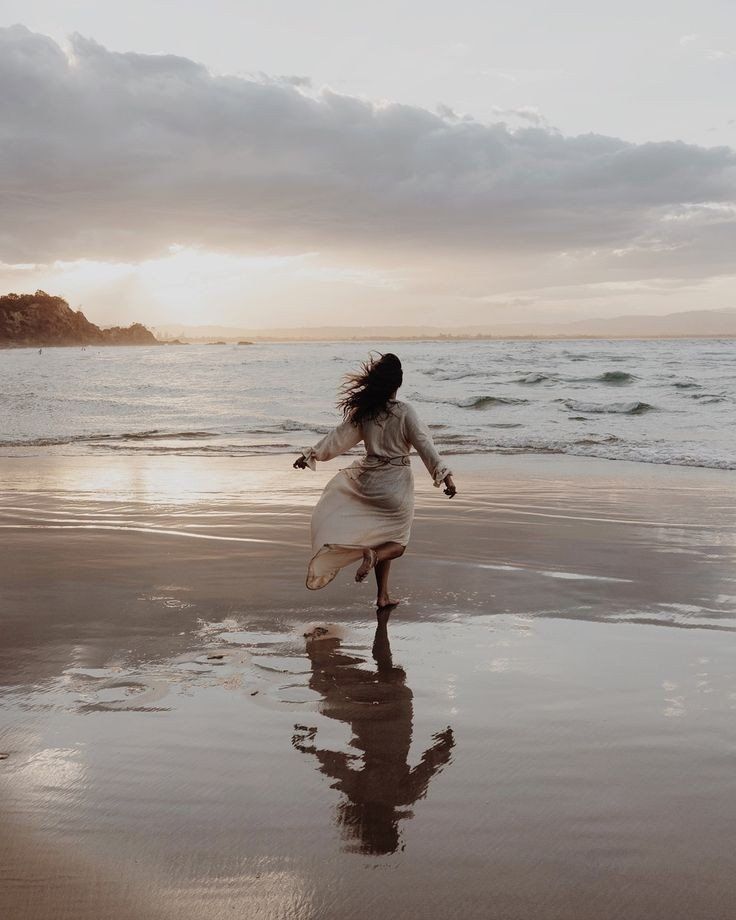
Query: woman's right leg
x=383 y=553
x=374 y=557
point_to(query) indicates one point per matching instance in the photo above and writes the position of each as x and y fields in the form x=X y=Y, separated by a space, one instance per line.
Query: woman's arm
x=418 y=435
x=334 y=443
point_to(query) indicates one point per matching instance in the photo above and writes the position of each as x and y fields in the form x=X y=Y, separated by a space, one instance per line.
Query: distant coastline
x=296 y=340
x=41 y=320
x=693 y=324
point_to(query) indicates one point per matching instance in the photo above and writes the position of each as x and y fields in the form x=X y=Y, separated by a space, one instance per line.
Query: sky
x=286 y=164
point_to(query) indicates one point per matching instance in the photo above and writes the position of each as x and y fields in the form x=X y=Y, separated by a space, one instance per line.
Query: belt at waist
x=378 y=460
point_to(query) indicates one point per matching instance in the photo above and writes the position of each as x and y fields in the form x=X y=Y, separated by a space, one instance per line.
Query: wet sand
x=545 y=728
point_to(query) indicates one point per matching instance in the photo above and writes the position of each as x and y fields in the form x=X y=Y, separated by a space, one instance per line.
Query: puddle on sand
x=272 y=667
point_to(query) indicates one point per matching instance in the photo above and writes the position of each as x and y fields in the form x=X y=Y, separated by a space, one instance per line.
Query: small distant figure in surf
x=366 y=510
x=40 y=351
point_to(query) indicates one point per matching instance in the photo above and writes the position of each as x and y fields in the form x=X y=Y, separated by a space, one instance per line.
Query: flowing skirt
x=361 y=507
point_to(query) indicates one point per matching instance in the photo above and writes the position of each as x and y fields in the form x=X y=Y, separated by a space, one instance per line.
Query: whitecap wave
x=488 y=402
x=619 y=408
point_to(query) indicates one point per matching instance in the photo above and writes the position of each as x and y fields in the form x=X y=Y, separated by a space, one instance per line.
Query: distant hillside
x=688 y=324
x=40 y=320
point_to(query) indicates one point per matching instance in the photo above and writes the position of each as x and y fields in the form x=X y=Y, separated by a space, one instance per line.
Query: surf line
x=603 y=520
x=154 y=530
x=545 y=573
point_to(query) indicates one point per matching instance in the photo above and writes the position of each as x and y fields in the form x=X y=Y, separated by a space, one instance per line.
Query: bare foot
x=369 y=561
x=383 y=600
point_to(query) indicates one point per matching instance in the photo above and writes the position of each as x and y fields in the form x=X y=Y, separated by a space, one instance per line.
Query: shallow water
x=656 y=401
x=489 y=766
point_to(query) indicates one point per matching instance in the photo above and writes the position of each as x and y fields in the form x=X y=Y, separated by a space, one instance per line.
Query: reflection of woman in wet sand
x=366 y=511
x=379 y=784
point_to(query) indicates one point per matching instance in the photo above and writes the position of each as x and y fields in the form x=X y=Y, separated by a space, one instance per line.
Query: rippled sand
x=544 y=728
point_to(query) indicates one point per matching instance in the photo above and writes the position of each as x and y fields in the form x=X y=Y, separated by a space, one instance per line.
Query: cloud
x=528 y=113
x=705 y=212
x=718 y=54
x=457 y=50
x=710 y=54
x=115 y=156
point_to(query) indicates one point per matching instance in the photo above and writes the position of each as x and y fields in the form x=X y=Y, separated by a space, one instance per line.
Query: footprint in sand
x=270 y=666
x=278 y=672
x=125 y=695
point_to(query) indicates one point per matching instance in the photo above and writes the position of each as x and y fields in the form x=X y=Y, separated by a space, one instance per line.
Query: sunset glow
x=180 y=188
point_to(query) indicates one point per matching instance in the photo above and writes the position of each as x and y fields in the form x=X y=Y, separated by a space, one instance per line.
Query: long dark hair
x=365 y=395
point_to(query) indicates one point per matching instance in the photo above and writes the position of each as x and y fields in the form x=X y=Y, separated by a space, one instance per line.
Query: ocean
x=668 y=401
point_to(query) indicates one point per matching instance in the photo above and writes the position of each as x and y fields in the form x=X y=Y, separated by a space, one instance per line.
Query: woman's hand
x=450 y=490
x=300 y=463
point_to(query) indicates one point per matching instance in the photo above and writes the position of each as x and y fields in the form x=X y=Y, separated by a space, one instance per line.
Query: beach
x=544 y=729
x=250 y=245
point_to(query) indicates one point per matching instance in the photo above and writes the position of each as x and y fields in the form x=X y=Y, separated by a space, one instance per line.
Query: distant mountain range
x=690 y=324
x=40 y=320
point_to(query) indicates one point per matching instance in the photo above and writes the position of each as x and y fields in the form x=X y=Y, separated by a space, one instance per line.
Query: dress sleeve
x=418 y=435
x=334 y=443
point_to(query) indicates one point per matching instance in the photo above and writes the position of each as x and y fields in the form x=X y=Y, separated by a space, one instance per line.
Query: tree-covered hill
x=40 y=320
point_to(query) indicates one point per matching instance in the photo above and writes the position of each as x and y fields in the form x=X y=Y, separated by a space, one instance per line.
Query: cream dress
x=372 y=501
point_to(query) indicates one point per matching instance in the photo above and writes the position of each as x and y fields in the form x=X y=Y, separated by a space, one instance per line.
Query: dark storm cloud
x=113 y=155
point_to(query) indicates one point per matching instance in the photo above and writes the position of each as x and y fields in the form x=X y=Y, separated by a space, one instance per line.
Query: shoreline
x=464 y=459
x=14 y=467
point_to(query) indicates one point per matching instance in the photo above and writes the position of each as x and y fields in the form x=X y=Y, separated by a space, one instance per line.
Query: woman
x=366 y=510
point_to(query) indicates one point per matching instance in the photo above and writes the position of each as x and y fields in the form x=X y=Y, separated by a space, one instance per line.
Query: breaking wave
x=708 y=398
x=487 y=402
x=441 y=373
x=612 y=378
x=616 y=377
x=130 y=438
x=151 y=435
x=622 y=408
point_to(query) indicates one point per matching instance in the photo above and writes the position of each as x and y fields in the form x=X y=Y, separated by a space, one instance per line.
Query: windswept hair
x=365 y=395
